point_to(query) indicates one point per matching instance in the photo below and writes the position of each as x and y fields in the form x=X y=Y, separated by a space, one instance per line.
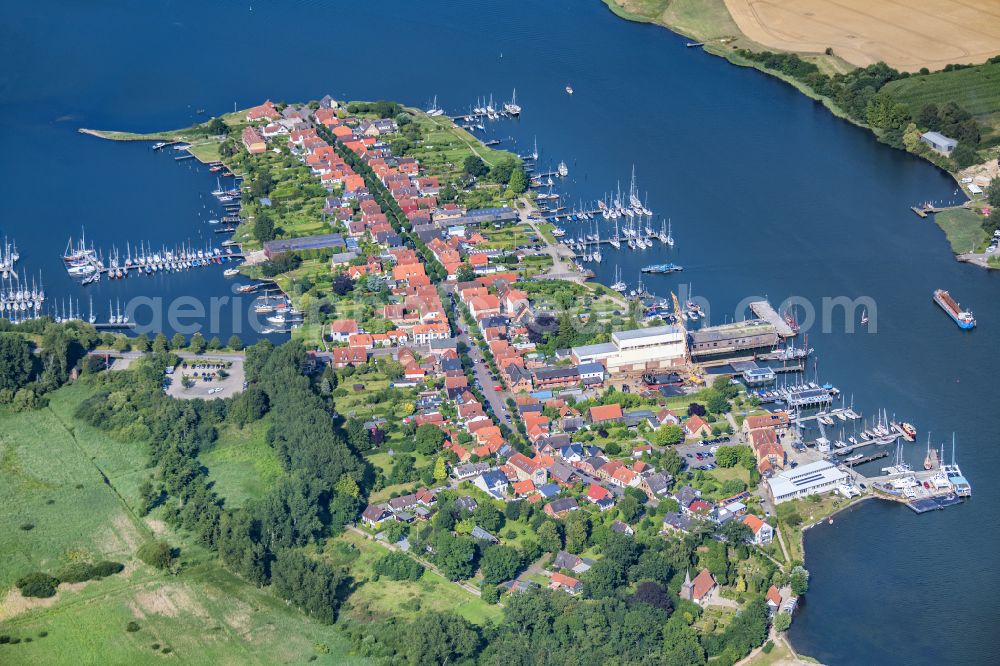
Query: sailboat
x=619 y=285
x=435 y=110
x=931 y=460
x=92 y=319
x=511 y=107
x=864 y=317
x=670 y=236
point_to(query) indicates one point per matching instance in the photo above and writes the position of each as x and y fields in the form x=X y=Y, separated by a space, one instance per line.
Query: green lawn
x=385 y=597
x=242 y=464
x=963 y=228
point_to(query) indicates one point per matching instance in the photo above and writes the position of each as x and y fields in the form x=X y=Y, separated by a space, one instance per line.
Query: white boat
x=569 y=89
x=435 y=110
x=231 y=272
x=511 y=107
x=562 y=170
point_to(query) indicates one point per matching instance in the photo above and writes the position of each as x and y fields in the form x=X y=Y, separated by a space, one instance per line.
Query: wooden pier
x=764 y=311
x=867 y=459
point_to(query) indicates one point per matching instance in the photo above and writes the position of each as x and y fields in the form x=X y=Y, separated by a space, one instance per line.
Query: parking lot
x=208 y=382
x=698 y=455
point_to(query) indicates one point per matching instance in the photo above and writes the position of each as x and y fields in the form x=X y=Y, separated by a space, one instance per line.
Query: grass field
x=75 y=485
x=975 y=89
x=45 y=478
x=864 y=33
x=204 y=616
x=385 y=597
x=963 y=228
x=242 y=464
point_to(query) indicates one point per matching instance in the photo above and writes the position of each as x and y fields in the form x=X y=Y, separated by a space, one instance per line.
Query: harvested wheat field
x=907 y=35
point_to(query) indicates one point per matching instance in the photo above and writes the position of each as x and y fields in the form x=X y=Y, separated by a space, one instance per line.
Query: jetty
x=764 y=310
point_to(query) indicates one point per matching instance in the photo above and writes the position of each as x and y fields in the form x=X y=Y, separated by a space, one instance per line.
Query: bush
x=768 y=646
x=132 y=627
x=74 y=573
x=157 y=554
x=398 y=566
x=38 y=584
x=106 y=568
x=79 y=572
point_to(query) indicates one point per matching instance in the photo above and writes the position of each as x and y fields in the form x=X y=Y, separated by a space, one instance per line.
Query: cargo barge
x=963 y=318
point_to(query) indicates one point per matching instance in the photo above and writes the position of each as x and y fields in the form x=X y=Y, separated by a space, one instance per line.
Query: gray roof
x=466 y=502
x=495 y=479
x=556 y=373
x=592 y=350
x=564 y=504
x=590 y=368
x=658 y=482
x=565 y=560
x=561 y=471
x=640 y=333
x=548 y=490
x=481 y=534
x=676 y=520
x=939 y=139
x=686 y=495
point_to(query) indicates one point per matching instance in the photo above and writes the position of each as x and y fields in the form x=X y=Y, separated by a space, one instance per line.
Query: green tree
x=489 y=517
x=465 y=273
x=799 y=580
x=263 y=228
x=235 y=343
x=735 y=531
x=667 y=435
x=782 y=621
x=428 y=439
x=499 y=563
x=15 y=362
x=440 y=469
x=141 y=342
x=518 y=183
x=548 y=536
x=160 y=343
x=197 y=344
x=310 y=584
x=438 y=638
x=177 y=341
x=629 y=509
x=717 y=403
x=474 y=166
x=993 y=193
x=577 y=531
x=217 y=126
x=157 y=554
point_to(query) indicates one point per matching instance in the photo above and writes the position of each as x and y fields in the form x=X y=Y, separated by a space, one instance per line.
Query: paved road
x=497 y=399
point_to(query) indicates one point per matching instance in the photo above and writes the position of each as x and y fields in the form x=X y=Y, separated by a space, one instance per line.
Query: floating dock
x=763 y=310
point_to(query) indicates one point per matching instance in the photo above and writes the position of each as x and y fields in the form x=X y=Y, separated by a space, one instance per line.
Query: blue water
x=768 y=193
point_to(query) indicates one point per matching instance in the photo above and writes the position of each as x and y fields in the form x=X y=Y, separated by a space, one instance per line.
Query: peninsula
x=462 y=436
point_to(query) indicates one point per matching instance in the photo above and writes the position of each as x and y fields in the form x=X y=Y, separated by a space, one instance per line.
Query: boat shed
x=813 y=478
x=939 y=142
x=809 y=397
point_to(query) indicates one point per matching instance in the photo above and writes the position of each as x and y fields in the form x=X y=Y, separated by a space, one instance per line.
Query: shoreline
x=713 y=45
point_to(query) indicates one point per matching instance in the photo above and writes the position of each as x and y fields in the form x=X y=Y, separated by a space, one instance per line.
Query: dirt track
x=906 y=34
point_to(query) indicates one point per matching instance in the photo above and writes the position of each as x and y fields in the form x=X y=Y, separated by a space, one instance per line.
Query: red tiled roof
x=605 y=413
x=703 y=584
